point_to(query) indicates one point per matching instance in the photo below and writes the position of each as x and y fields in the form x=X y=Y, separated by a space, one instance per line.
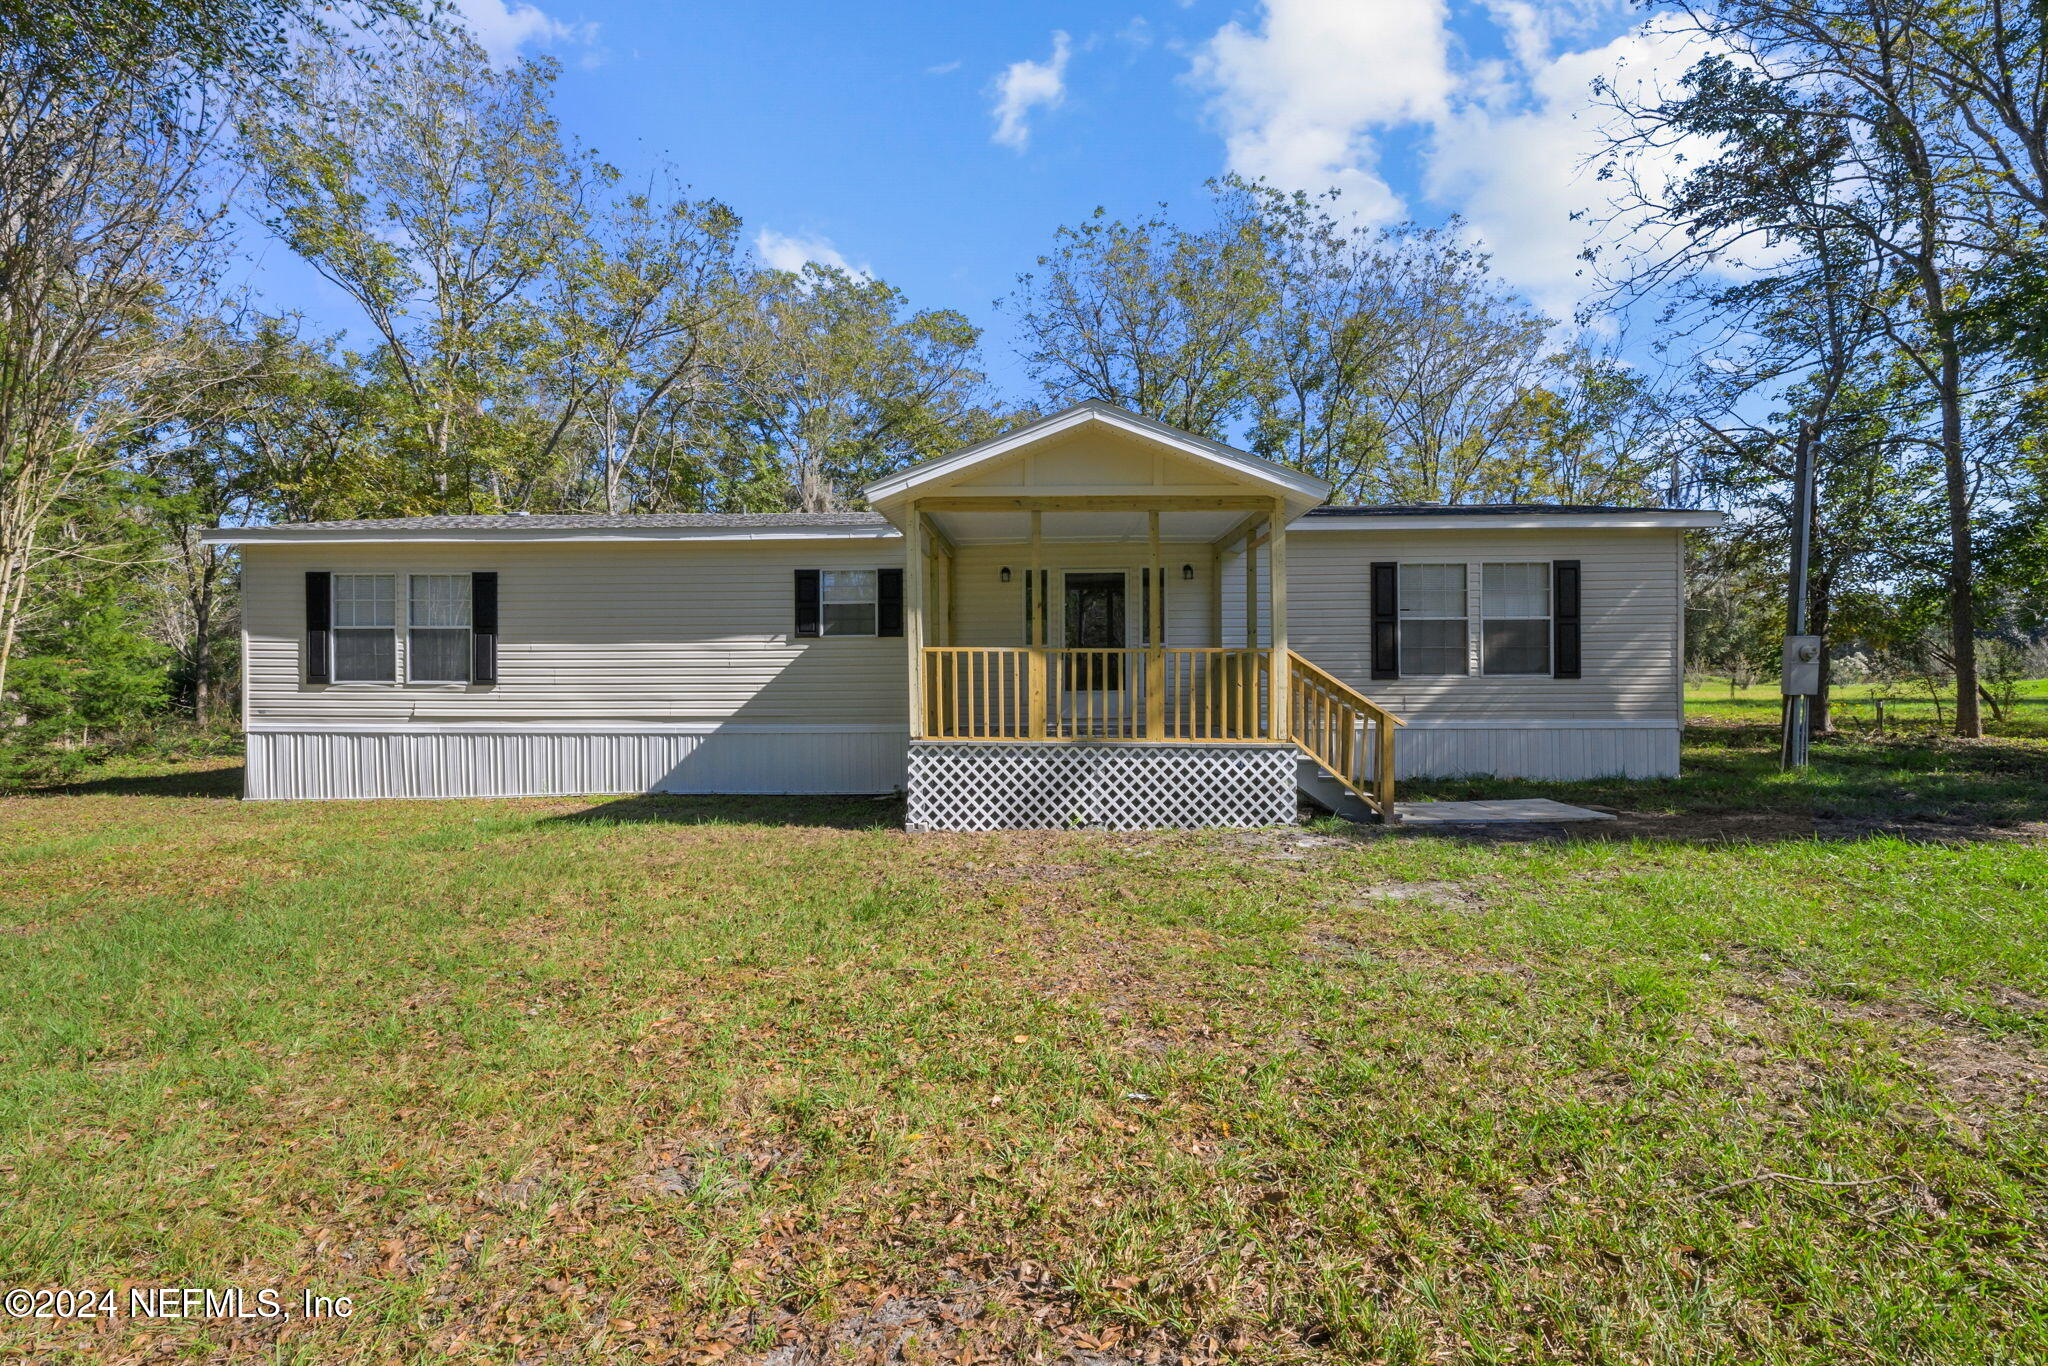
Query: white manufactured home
x=1095 y=619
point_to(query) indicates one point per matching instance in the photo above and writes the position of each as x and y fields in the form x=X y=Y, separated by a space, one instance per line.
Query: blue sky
x=937 y=145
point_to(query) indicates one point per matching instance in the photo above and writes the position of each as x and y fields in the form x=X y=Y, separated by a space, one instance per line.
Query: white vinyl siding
x=667 y=632
x=654 y=632
x=1514 y=605
x=1631 y=622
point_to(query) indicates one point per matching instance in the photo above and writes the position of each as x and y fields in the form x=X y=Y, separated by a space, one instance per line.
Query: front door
x=1094 y=621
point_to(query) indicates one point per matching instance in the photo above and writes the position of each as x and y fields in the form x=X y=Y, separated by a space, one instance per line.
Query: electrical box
x=1801 y=674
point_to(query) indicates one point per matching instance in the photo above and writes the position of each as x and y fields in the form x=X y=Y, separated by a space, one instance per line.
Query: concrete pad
x=1509 y=809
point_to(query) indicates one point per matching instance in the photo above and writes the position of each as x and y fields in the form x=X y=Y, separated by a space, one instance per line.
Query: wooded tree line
x=1846 y=201
x=535 y=331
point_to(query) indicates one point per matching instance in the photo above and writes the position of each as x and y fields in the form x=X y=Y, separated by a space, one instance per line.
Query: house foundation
x=1027 y=785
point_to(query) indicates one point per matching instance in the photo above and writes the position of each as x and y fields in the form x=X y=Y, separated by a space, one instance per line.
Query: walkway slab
x=1510 y=809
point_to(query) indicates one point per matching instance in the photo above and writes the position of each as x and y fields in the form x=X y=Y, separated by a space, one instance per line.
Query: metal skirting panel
x=983 y=785
x=298 y=765
x=1561 y=753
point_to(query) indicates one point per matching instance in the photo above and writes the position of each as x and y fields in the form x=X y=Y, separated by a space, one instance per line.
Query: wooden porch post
x=1034 y=662
x=1155 y=636
x=1214 y=670
x=1216 y=596
x=1283 y=700
x=1251 y=591
x=914 y=570
x=952 y=599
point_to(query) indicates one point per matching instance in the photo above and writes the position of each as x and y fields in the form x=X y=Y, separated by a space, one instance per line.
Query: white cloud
x=1299 y=98
x=1306 y=98
x=503 y=27
x=1516 y=161
x=1027 y=85
x=790 y=251
x=943 y=68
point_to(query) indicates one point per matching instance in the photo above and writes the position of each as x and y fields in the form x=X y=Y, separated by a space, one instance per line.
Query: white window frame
x=468 y=630
x=1402 y=617
x=335 y=631
x=874 y=600
x=1549 y=620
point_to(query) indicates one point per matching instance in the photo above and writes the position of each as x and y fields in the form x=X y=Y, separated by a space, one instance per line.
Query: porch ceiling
x=1014 y=527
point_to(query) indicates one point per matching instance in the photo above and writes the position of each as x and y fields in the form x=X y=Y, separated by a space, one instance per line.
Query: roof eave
x=524 y=536
x=1690 y=520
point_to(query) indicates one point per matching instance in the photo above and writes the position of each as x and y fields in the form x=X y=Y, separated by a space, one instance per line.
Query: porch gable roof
x=1299 y=490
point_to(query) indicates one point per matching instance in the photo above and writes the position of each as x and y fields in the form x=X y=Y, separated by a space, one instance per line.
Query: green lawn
x=1754 y=1074
x=1906 y=708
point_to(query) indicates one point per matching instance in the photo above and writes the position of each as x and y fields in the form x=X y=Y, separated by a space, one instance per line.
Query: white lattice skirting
x=993 y=786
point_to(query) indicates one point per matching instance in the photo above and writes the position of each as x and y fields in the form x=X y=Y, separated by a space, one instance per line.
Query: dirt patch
x=1033 y=873
x=1283 y=843
x=1021 y=1318
x=1760 y=1053
x=1445 y=894
x=1930 y=829
x=1977 y=1075
x=711 y=1166
x=1326 y=947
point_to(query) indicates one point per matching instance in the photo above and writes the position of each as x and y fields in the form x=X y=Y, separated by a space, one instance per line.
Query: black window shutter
x=807 y=615
x=483 y=628
x=319 y=627
x=1386 y=619
x=889 y=603
x=1564 y=616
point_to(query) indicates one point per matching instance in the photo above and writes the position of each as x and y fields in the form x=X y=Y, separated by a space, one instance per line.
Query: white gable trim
x=1199 y=449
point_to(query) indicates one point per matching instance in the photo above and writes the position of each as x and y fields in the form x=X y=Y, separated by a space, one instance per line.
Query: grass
x=1907 y=707
x=1753 y=1074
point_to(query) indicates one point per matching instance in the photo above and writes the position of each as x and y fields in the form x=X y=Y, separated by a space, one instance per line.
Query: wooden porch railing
x=1214 y=696
x=1172 y=694
x=1343 y=730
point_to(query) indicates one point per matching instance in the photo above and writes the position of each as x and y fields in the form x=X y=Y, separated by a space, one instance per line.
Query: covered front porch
x=1100 y=605
x=1099 y=619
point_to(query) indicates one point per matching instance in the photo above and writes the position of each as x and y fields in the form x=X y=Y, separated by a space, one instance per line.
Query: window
x=1433 y=620
x=1514 y=619
x=365 y=628
x=848 y=597
x=437 y=634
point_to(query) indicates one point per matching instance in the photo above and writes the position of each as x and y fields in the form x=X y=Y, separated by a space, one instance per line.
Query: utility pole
x=1799 y=671
x=1799 y=674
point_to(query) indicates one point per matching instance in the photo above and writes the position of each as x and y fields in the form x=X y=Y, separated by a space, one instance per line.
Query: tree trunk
x=1961 y=571
x=202 y=643
x=1822 y=719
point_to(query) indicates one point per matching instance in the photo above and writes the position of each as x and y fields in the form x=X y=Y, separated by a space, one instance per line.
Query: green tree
x=1826 y=121
x=832 y=380
x=643 y=310
x=437 y=193
x=1149 y=315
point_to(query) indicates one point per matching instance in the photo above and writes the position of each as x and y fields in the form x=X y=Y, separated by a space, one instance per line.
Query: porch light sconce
x=1006 y=573
x=1187 y=571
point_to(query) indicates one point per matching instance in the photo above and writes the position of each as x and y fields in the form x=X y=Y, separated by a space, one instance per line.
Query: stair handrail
x=1324 y=716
